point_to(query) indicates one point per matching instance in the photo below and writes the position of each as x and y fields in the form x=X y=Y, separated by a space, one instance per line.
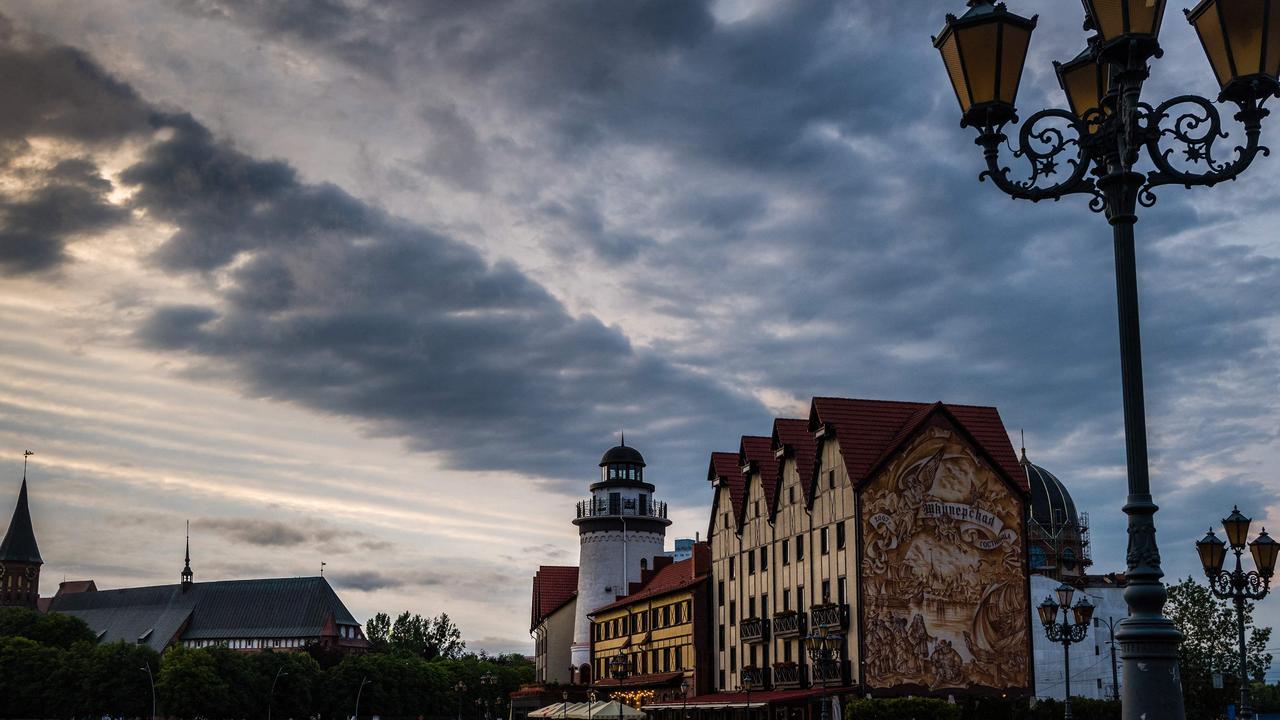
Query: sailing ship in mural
x=943 y=575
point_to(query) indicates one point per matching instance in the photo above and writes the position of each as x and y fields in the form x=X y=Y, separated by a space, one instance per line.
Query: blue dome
x=1051 y=504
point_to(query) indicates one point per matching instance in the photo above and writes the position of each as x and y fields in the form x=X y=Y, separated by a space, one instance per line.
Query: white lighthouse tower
x=621 y=529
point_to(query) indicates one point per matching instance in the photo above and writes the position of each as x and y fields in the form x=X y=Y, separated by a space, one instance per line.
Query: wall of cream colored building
x=552 y=640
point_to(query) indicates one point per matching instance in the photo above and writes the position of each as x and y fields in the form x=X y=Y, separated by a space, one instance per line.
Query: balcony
x=829 y=616
x=828 y=672
x=754 y=630
x=756 y=676
x=599 y=507
x=788 y=675
x=788 y=623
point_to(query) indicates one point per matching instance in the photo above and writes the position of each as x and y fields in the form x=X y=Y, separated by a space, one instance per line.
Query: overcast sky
x=375 y=284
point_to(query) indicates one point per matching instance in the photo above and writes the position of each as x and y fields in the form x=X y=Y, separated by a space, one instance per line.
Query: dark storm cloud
x=300 y=531
x=35 y=227
x=336 y=305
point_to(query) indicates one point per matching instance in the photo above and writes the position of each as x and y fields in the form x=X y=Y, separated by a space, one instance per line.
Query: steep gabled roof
x=19 y=544
x=792 y=435
x=222 y=610
x=758 y=451
x=553 y=587
x=870 y=430
x=726 y=473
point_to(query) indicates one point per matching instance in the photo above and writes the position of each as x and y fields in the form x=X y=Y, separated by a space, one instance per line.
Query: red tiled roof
x=725 y=466
x=677 y=576
x=870 y=430
x=553 y=587
x=794 y=433
x=759 y=451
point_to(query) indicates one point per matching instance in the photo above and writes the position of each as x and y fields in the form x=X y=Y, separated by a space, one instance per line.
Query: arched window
x=644 y=563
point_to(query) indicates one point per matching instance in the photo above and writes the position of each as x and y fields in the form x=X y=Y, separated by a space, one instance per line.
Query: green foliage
x=428 y=638
x=52 y=629
x=1082 y=708
x=377 y=630
x=907 y=708
x=1210 y=644
x=57 y=673
x=1265 y=698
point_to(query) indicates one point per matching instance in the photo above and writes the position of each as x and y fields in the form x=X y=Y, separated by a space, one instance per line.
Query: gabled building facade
x=554 y=611
x=898 y=527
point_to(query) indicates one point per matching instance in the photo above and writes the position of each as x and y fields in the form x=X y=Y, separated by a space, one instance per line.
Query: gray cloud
x=35 y=228
x=312 y=533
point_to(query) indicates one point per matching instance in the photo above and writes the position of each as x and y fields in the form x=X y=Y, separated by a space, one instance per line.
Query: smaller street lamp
x=280 y=671
x=591 y=702
x=684 y=692
x=748 y=683
x=363 y=681
x=824 y=649
x=1237 y=585
x=564 y=707
x=620 y=669
x=460 y=688
x=152 y=678
x=1066 y=632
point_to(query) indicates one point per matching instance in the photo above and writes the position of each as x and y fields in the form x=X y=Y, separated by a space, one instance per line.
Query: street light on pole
x=151 y=678
x=363 y=681
x=1066 y=632
x=824 y=649
x=272 y=695
x=620 y=669
x=684 y=692
x=1092 y=150
x=1237 y=585
x=591 y=702
x=748 y=683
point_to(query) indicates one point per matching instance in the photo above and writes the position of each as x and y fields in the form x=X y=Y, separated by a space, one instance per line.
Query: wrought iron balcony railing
x=828 y=672
x=829 y=616
x=753 y=675
x=788 y=623
x=788 y=675
x=597 y=507
x=754 y=630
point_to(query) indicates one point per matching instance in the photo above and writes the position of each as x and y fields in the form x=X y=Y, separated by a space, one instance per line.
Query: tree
x=1210 y=645
x=189 y=685
x=377 y=630
x=51 y=629
x=444 y=639
x=427 y=638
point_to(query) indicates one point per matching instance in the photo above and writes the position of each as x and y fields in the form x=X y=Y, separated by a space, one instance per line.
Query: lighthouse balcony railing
x=626 y=508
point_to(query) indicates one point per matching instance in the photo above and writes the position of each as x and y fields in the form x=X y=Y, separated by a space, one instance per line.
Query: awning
x=602 y=709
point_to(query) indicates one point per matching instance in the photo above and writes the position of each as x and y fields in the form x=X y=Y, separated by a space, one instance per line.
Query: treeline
x=52 y=667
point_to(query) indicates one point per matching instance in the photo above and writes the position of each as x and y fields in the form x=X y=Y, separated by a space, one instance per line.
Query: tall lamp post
x=564 y=706
x=279 y=671
x=1115 y=681
x=1066 y=632
x=591 y=702
x=824 y=649
x=1092 y=150
x=1237 y=585
x=748 y=684
x=460 y=688
x=684 y=693
x=152 y=678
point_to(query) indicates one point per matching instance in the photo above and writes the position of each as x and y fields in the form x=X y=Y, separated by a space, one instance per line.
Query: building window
x=791 y=495
x=721 y=637
x=721 y=684
x=800 y=598
x=751 y=606
x=831 y=478
x=786 y=552
x=751 y=563
x=733 y=573
x=726 y=520
x=720 y=593
x=840 y=591
x=826 y=591
x=840 y=535
x=733 y=659
x=822 y=538
x=786 y=599
x=764 y=558
x=764 y=605
x=799 y=548
x=733 y=612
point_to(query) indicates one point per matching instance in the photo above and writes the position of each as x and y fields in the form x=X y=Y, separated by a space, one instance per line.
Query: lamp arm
x=1254 y=586
x=1222 y=584
x=1054 y=632
x=1193 y=132
x=1078 y=632
x=1043 y=145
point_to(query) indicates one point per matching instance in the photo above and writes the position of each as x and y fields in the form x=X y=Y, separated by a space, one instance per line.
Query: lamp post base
x=1152 y=686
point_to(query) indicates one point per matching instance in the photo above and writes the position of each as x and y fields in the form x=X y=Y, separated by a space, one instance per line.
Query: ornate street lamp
x=684 y=693
x=620 y=669
x=1066 y=632
x=1092 y=149
x=1237 y=585
x=460 y=688
x=824 y=649
x=748 y=684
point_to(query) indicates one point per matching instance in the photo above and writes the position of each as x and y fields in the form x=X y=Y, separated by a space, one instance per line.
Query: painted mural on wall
x=944 y=594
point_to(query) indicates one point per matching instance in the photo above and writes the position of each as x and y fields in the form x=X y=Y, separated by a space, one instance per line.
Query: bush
x=908 y=708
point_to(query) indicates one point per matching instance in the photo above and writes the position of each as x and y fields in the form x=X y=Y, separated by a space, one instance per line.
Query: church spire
x=187 y=575
x=19 y=544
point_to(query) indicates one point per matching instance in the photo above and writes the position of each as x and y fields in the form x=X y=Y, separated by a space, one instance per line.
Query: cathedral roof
x=19 y=544
x=222 y=610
